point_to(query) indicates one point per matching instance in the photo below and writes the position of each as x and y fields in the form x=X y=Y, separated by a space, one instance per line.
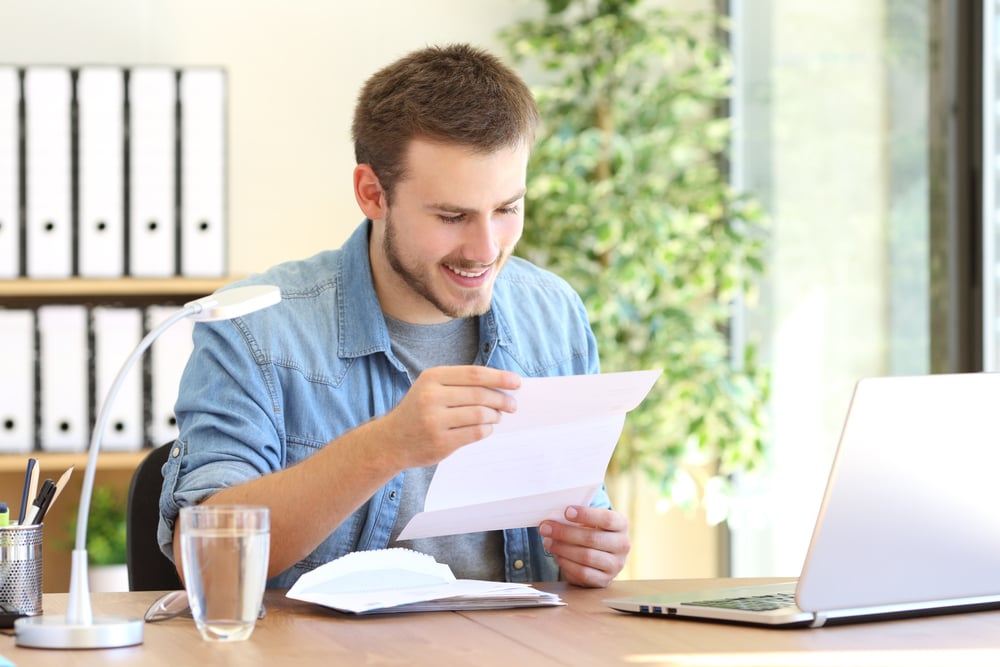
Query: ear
x=368 y=192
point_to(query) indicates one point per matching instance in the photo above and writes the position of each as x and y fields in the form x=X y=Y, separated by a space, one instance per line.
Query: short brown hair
x=455 y=94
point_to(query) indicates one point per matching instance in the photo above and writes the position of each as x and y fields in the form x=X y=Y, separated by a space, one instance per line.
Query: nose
x=481 y=245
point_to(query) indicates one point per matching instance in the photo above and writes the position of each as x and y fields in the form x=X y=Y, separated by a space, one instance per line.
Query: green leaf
x=629 y=201
x=106 y=528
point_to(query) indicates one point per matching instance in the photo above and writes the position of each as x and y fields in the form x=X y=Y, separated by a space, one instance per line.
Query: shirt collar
x=362 y=327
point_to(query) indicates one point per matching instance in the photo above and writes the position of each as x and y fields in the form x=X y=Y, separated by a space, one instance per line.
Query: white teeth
x=466 y=274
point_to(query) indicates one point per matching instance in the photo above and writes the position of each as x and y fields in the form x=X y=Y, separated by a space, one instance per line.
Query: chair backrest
x=148 y=568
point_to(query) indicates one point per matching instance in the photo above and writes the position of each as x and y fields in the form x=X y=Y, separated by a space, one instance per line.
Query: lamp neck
x=78 y=609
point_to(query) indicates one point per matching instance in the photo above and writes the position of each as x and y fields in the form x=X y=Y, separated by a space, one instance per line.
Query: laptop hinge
x=819 y=620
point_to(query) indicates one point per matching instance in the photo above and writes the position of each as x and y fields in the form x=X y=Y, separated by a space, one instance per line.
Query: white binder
x=117 y=332
x=152 y=103
x=203 y=172
x=10 y=223
x=100 y=94
x=17 y=381
x=168 y=356
x=64 y=378
x=47 y=172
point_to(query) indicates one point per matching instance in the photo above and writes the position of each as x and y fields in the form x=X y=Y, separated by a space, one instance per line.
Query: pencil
x=61 y=484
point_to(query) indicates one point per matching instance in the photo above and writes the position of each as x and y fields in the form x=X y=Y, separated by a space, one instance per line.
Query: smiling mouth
x=466 y=273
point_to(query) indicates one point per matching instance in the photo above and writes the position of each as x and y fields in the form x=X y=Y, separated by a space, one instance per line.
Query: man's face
x=454 y=221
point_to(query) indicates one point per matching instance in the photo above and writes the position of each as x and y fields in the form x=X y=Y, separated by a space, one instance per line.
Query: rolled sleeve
x=227 y=425
x=601 y=498
x=184 y=488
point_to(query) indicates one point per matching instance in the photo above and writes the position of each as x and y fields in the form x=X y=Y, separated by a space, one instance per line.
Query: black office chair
x=148 y=568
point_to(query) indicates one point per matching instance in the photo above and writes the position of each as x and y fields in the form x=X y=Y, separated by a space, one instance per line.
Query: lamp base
x=56 y=632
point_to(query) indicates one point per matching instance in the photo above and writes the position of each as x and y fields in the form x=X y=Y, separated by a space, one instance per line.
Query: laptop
x=909 y=523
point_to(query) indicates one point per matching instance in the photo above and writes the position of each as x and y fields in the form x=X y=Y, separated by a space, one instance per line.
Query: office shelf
x=29 y=290
x=59 y=461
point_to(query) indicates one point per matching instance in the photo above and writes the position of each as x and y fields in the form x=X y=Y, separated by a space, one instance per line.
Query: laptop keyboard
x=751 y=603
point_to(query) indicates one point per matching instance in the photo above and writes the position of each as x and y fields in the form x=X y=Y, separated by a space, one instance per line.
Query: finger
x=459 y=397
x=584 y=567
x=465 y=435
x=442 y=419
x=433 y=401
x=587 y=557
x=556 y=534
x=474 y=376
x=585 y=577
x=597 y=559
x=597 y=517
x=441 y=442
x=471 y=415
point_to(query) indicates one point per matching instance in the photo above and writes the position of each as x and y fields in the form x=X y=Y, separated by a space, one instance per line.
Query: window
x=853 y=130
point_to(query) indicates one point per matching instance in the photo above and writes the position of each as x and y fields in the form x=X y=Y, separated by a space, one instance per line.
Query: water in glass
x=225 y=554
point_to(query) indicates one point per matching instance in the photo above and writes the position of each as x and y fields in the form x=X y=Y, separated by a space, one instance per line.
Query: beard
x=421 y=281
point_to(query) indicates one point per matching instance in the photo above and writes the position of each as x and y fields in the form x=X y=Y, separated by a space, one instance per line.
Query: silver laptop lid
x=911 y=505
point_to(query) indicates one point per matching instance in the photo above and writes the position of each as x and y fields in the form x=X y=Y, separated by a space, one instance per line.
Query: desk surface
x=582 y=633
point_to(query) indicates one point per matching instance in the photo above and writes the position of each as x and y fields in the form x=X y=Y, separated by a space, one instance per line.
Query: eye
x=509 y=210
x=451 y=219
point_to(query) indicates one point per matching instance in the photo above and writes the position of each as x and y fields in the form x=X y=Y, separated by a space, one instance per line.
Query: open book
x=395 y=580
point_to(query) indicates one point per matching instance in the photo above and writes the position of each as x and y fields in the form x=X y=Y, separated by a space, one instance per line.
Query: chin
x=462 y=313
x=468 y=309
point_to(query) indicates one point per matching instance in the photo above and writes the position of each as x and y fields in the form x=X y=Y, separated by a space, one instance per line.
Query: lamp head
x=230 y=303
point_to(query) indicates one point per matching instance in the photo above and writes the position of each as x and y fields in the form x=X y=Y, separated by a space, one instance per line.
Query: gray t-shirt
x=472 y=555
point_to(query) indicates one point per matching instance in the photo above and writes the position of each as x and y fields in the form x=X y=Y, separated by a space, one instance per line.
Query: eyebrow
x=465 y=209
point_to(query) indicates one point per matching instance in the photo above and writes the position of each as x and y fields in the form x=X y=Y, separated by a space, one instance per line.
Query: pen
x=36 y=471
x=4 y=515
x=28 y=493
x=41 y=503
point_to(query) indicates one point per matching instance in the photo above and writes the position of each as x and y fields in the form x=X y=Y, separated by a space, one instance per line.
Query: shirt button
x=392 y=495
x=519 y=564
x=176 y=452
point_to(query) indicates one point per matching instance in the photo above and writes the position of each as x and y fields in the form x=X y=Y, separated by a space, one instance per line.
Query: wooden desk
x=582 y=633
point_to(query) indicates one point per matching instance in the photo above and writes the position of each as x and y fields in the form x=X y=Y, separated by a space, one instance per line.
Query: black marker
x=41 y=503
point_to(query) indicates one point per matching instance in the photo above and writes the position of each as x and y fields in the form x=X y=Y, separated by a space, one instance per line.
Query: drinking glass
x=224 y=554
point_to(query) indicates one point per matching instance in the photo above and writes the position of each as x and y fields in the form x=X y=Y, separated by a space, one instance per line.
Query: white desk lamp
x=79 y=628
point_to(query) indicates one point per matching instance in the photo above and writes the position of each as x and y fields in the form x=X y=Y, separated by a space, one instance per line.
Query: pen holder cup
x=21 y=568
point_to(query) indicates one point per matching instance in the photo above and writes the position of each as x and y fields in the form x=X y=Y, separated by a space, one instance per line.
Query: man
x=333 y=407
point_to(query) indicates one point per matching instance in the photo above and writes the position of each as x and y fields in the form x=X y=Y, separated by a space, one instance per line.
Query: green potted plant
x=106 y=527
x=629 y=200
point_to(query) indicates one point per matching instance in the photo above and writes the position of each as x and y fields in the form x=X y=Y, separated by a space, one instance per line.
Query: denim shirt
x=267 y=390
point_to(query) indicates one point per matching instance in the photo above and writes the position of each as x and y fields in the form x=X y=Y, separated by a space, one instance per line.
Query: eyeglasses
x=173 y=604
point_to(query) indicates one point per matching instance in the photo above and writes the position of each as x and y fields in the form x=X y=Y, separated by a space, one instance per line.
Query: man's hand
x=448 y=407
x=592 y=550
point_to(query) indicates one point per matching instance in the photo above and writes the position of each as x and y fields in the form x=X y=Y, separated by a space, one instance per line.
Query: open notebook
x=396 y=580
x=908 y=522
